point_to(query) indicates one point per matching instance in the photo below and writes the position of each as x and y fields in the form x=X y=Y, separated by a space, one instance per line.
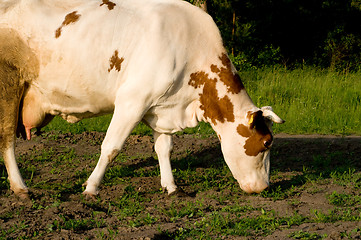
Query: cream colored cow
x=158 y=61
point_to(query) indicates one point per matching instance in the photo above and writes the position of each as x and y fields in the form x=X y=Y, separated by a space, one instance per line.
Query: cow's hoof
x=178 y=193
x=89 y=196
x=22 y=194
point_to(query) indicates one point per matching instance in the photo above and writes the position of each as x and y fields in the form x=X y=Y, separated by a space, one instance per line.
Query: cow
x=162 y=62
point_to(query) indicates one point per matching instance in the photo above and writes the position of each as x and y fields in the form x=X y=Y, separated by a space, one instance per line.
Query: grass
x=311 y=100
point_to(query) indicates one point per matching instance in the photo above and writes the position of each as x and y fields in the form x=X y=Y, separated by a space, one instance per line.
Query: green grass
x=309 y=99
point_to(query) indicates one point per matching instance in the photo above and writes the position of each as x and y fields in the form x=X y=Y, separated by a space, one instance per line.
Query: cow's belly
x=73 y=108
x=70 y=105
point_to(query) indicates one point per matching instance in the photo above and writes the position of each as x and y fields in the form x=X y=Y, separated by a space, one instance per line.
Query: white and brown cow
x=158 y=61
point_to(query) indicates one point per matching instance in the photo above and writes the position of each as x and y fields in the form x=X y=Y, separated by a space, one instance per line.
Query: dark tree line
x=325 y=33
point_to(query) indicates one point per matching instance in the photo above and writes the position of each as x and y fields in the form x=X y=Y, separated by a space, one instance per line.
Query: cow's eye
x=267 y=143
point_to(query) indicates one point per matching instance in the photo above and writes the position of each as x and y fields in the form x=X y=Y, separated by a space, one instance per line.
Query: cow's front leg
x=163 y=145
x=125 y=118
x=16 y=181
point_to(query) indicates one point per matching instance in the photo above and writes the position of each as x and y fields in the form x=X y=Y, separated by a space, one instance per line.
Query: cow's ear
x=251 y=121
x=269 y=114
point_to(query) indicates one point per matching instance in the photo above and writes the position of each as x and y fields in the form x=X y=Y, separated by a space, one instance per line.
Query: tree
x=201 y=3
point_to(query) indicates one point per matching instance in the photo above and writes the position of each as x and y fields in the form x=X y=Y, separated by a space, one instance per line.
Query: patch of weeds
x=4 y=182
x=279 y=192
x=295 y=219
x=130 y=204
x=306 y=235
x=343 y=200
x=6 y=216
x=66 y=186
x=142 y=220
x=179 y=210
x=218 y=224
x=116 y=174
x=351 y=234
x=28 y=173
x=68 y=155
x=211 y=178
x=7 y=234
x=336 y=214
x=45 y=155
x=294 y=202
x=276 y=193
x=142 y=172
x=349 y=178
x=109 y=234
x=221 y=198
x=37 y=206
x=77 y=225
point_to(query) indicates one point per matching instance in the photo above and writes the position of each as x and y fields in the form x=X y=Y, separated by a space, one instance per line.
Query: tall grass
x=311 y=100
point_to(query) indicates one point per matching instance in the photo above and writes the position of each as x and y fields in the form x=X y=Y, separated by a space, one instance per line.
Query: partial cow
x=158 y=61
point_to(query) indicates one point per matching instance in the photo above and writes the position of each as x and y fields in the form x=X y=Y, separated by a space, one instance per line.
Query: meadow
x=315 y=179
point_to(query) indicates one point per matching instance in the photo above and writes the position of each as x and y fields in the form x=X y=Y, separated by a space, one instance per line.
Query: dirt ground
x=37 y=217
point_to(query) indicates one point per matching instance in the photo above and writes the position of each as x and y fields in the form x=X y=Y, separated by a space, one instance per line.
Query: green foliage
x=305 y=235
x=263 y=33
x=218 y=224
x=342 y=50
x=344 y=200
x=76 y=225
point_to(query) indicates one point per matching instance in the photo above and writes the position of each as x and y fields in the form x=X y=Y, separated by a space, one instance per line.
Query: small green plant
x=344 y=200
x=306 y=235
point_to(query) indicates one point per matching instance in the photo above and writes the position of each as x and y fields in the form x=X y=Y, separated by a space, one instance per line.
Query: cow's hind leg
x=11 y=90
x=16 y=181
x=163 y=145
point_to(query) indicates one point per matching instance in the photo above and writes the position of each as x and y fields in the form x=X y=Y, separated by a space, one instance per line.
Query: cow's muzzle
x=255 y=187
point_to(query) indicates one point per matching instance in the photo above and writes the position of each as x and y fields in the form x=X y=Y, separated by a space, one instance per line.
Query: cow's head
x=243 y=129
x=246 y=147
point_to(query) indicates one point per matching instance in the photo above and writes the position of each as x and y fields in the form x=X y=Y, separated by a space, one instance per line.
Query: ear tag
x=250 y=122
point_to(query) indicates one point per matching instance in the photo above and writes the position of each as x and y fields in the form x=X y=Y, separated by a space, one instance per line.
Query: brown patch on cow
x=115 y=62
x=69 y=18
x=109 y=4
x=231 y=80
x=258 y=135
x=215 y=108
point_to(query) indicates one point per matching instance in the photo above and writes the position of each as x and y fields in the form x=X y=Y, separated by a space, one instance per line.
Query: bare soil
x=290 y=155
